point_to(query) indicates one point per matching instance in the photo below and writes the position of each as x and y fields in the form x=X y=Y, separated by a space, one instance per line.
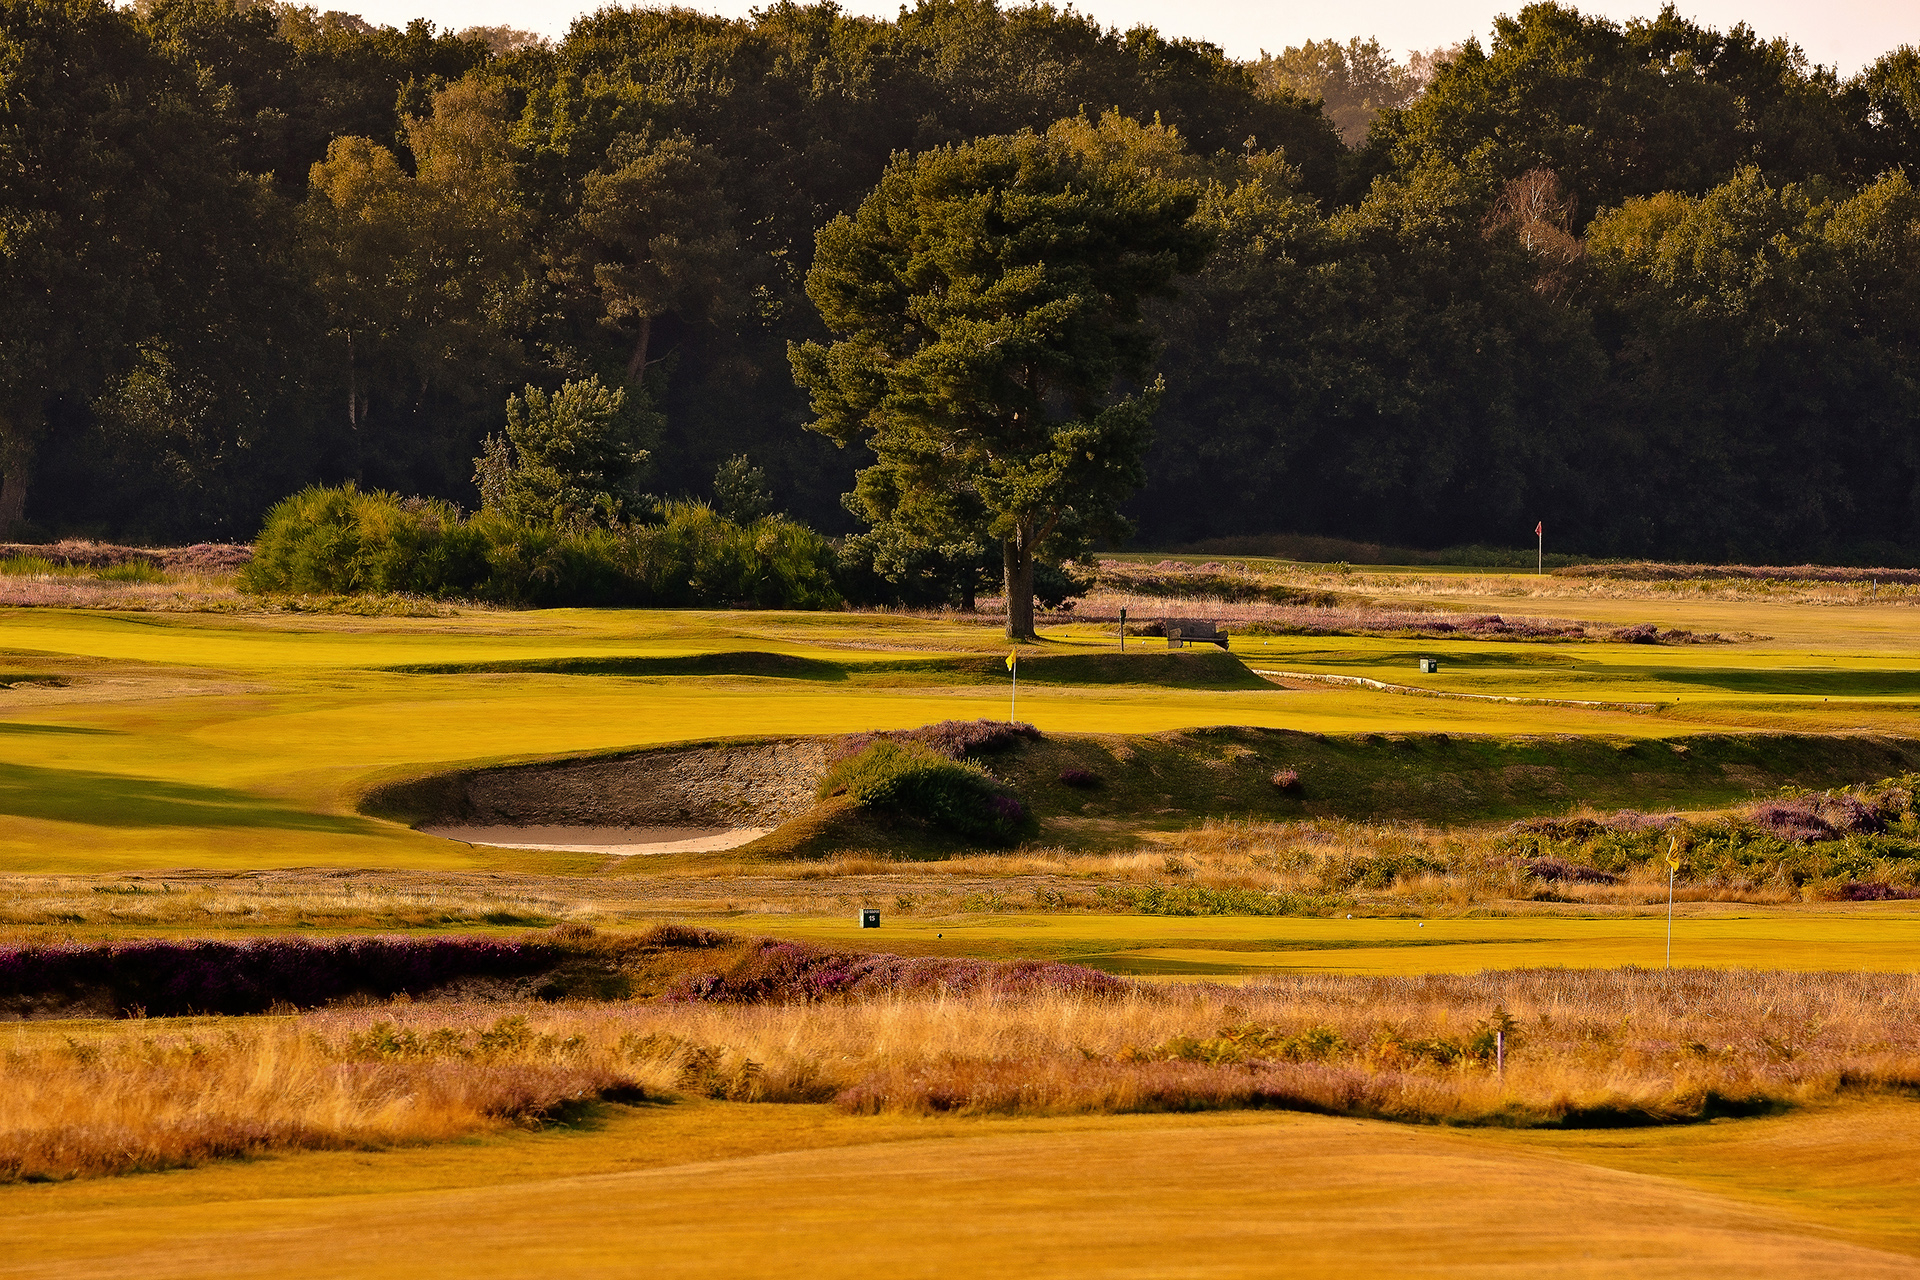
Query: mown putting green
x=1882 y=938
x=245 y=741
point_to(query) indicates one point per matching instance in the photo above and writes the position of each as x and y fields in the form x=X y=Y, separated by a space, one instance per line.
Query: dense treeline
x=1653 y=283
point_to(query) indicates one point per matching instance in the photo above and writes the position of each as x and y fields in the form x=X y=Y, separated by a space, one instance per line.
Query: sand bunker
x=620 y=841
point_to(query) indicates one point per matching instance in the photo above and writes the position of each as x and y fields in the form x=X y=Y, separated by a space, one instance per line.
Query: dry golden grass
x=1528 y=586
x=321 y=901
x=1582 y=1047
x=119 y=1100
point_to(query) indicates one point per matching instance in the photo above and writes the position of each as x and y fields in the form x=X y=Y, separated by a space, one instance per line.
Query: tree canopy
x=1647 y=278
x=990 y=296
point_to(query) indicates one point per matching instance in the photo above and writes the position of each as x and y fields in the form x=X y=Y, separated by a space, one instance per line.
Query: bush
x=914 y=780
x=1828 y=842
x=345 y=542
x=794 y=973
x=954 y=739
x=179 y=977
x=1200 y=900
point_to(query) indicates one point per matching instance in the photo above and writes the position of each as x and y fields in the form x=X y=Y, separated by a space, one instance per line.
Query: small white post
x=1673 y=870
x=1013 y=699
x=1500 y=1053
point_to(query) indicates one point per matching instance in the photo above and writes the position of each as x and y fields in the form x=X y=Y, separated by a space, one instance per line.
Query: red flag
x=1540 y=530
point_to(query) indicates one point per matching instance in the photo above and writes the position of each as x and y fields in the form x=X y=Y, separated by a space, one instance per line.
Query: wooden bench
x=1197 y=630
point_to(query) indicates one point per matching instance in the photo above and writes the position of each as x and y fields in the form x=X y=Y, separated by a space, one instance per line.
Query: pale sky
x=1843 y=33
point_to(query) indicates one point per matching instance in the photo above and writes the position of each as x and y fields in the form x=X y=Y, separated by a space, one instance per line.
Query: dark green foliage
x=989 y=301
x=740 y=490
x=344 y=541
x=1202 y=900
x=1660 y=105
x=916 y=781
x=567 y=458
x=1618 y=276
x=1053 y=586
x=1387 y=372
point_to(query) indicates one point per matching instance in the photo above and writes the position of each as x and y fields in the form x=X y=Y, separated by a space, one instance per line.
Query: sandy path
x=620 y=841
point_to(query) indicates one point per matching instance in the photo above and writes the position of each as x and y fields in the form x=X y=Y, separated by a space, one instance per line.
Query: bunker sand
x=621 y=842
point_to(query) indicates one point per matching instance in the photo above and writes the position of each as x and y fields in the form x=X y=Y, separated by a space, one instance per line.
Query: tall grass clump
x=895 y=1035
x=342 y=541
x=916 y=781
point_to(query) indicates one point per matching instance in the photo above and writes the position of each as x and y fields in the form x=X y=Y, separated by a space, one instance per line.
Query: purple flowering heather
x=794 y=973
x=175 y=977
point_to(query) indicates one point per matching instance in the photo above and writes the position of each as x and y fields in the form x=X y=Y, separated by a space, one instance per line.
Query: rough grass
x=1608 y=1049
x=714 y=1189
x=1412 y=776
x=94 y=1103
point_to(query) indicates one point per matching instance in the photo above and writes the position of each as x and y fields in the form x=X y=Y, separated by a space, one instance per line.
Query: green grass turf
x=728 y=1189
x=242 y=741
x=1882 y=938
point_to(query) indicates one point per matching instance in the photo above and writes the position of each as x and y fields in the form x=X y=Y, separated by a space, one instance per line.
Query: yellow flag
x=1673 y=854
x=1013 y=657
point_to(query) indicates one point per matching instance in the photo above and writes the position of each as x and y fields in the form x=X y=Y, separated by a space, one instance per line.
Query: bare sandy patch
x=618 y=841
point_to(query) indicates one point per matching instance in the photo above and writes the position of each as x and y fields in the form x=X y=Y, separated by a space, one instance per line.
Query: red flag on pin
x=1540 y=530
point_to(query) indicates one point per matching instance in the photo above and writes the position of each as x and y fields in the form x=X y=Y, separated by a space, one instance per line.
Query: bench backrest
x=1198 y=630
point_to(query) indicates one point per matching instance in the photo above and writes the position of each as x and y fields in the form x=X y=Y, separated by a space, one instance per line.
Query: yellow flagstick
x=1013 y=700
x=1673 y=869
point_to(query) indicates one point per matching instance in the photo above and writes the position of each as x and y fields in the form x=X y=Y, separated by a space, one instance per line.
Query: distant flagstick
x=1013 y=700
x=1540 y=532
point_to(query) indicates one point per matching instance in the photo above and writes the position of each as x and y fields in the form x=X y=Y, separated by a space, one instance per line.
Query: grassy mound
x=745 y=663
x=1093 y=791
x=1207 y=668
x=915 y=781
x=1176 y=777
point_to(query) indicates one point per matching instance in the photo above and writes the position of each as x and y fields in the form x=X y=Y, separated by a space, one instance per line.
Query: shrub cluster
x=1202 y=900
x=954 y=739
x=1858 y=843
x=342 y=541
x=916 y=781
x=1171 y=579
x=1389 y=1047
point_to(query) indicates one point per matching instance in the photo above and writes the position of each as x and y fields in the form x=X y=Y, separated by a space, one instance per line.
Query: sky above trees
x=1844 y=33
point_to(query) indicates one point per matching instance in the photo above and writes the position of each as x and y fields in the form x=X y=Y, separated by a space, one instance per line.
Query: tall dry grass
x=1581 y=1047
x=1784 y=586
x=324 y=902
x=132 y=1098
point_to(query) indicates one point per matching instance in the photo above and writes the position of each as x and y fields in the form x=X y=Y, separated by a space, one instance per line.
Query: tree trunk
x=637 y=366
x=13 y=491
x=1017 y=555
